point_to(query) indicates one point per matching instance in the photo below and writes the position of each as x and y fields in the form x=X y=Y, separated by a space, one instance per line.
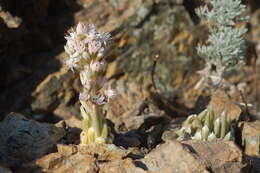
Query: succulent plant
x=86 y=48
x=205 y=126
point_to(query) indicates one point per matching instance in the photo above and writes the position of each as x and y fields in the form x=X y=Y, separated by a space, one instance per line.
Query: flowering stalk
x=86 y=48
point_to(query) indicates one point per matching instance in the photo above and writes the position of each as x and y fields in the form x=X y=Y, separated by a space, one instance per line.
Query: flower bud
x=94 y=47
x=84 y=96
x=72 y=63
x=101 y=52
x=80 y=29
x=85 y=55
x=91 y=33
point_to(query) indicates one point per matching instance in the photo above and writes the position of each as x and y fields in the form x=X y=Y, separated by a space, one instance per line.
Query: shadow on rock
x=33 y=35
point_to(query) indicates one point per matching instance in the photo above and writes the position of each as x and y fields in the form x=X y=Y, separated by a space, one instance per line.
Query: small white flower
x=71 y=63
x=81 y=28
x=80 y=47
x=69 y=49
x=72 y=35
x=101 y=52
x=86 y=78
x=84 y=96
x=104 y=37
x=94 y=47
x=91 y=32
x=85 y=55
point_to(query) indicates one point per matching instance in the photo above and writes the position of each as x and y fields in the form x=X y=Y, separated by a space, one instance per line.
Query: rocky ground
x=152 y=102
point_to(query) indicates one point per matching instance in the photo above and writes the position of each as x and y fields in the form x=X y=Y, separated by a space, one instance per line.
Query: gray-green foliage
x=225 y=45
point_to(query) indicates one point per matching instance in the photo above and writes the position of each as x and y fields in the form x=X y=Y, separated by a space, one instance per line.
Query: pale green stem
x=223 y=125
x=95 y=117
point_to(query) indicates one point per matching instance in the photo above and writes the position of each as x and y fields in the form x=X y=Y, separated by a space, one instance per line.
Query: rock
x=104 y=152
x=253 y=164
x=129 y=139
x=251 y=137
x=174 y=157
x=11 y=21
x=121 y=166
x=127 y=106
x=133 y=117
x=255 y=21
x=137 y=28
x=257 y=90
x=15 y=31
x=24 y=140
x=72 y=164
x=55 y=88
x=31 y=33
x=221 y=156
x=167 y=40
x=69 y=115
x=77 y=159
x=220 y=102
x=195 y=156
x=57 y=163
x=5 y=170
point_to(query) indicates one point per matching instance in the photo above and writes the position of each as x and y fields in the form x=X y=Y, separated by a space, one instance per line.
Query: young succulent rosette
x=86 y=48
x=205 y=127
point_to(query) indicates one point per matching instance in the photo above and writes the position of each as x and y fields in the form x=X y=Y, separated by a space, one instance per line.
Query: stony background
x=32 y=77
x=34 y=83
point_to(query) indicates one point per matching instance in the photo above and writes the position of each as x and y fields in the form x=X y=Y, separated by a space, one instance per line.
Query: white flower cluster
x=86 y=47
x=85 y=43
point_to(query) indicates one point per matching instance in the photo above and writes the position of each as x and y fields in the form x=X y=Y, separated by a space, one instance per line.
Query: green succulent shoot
x=205 y=126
